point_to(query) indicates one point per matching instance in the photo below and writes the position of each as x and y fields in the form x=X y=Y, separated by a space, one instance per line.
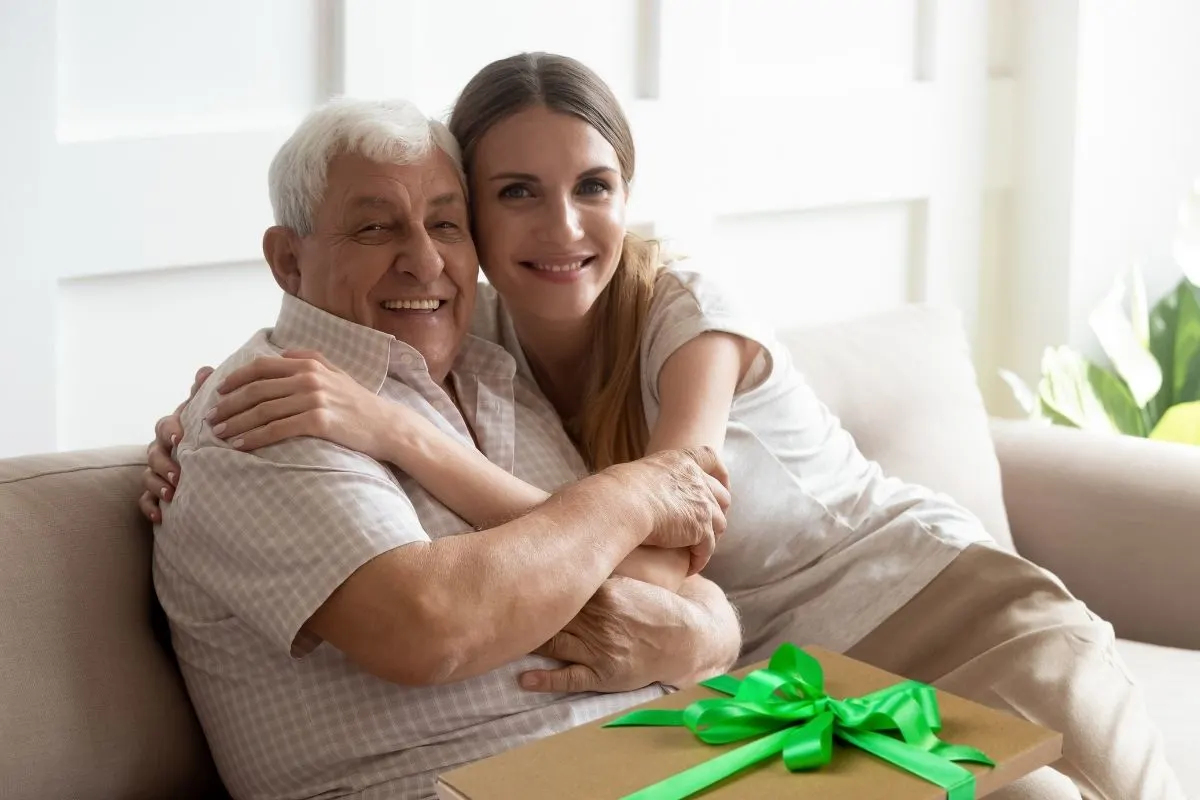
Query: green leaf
x=1181 y=424
x=1164 y=324
x=1087 y=396
x=1187 y=345
x=1124 y=347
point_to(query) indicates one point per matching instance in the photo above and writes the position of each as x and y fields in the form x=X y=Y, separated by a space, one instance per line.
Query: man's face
x=391 y=249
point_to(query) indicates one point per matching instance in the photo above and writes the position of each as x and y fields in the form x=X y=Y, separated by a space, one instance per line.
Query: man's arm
x=632 y=634
x=443 y=611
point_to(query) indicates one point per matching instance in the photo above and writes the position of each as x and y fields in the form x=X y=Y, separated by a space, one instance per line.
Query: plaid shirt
x=254 y=543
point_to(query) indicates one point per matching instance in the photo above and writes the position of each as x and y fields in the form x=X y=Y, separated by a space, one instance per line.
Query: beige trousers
x=999 y=630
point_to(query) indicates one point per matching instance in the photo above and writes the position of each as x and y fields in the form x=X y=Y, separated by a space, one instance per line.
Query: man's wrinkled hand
x=686 y=493
x=629 y=635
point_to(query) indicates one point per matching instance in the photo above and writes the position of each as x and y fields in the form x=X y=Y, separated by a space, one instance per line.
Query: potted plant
x=1151 y=387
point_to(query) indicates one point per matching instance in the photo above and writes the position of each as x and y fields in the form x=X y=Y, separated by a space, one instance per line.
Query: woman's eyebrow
x=530 y=178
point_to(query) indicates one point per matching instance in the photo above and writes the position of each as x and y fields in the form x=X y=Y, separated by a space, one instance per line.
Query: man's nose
x=422 y=260
x=561 y=223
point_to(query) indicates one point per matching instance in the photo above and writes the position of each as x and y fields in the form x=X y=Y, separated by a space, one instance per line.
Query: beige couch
x=92 y=708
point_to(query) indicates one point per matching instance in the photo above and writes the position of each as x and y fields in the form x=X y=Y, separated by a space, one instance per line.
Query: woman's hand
x=161 y=475
x=301 y=394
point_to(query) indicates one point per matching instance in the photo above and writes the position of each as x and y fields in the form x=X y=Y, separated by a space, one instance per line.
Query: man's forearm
x=714 y=631
x=498 y=594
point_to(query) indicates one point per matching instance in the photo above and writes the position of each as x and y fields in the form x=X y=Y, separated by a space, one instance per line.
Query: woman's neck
x=558 y=355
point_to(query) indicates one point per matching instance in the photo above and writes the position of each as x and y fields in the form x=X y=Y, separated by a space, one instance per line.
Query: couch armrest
x=1117 y=518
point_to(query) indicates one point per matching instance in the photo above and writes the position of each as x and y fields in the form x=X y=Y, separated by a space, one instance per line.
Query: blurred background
x=829 y=158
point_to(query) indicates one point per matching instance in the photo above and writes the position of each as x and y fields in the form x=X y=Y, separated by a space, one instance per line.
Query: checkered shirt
x=254 y=543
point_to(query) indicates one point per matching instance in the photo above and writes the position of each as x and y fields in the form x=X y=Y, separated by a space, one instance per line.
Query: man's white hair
x=388 y=131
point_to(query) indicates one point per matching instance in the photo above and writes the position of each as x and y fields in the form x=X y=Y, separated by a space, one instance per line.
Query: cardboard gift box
x=600 y=760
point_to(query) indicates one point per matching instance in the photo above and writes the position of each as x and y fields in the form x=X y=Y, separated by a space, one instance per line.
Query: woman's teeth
x=572 y=267
x=411 y=305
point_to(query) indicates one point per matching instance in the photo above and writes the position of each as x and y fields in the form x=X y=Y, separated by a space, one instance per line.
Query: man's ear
x=280 y=248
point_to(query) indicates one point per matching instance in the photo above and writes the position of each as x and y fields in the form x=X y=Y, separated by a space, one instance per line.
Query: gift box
x=809 y=723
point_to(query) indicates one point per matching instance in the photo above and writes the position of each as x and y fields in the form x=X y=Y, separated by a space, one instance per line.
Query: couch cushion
x=93 y=707
x=902 y=383
x=1168 y=678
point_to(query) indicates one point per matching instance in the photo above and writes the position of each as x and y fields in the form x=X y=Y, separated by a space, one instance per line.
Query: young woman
x=637 y=356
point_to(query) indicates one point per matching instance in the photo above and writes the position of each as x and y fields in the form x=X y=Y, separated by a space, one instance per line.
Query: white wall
x=1106 y=128
x=828 y=158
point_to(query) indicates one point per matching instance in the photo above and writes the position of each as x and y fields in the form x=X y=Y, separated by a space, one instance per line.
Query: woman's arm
x=461 y=478
x=696 y=388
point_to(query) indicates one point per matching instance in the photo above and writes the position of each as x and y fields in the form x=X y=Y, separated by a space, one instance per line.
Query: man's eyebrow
x=529 y=178
x=369 y=201
x=447 y=199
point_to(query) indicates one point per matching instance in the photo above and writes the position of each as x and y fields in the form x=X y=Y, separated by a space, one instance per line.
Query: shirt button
x=406 y=359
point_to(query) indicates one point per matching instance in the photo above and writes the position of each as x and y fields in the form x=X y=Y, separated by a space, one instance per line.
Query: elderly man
x=335 y=638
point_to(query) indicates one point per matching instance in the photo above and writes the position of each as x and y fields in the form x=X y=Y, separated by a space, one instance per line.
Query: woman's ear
x=280 y=247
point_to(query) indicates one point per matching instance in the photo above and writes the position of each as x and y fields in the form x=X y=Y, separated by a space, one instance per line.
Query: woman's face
x=549 y=206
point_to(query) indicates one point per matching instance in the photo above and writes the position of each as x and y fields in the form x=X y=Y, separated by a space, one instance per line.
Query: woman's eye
x=446 y=226
x=593 y=186
x=515 y=191
x=373 y=227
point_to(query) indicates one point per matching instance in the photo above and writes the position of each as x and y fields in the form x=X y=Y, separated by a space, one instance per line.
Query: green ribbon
x=787 y=701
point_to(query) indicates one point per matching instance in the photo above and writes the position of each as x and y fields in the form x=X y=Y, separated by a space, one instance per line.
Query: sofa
x=92 y=706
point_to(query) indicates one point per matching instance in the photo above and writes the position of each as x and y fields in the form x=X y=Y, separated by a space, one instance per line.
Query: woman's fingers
x=159 y=460
x=260 y=414
x=157 y=487
x=148 y=504
x=275 y=432
x=168 y=431
x=266 y=368
x=260 y=391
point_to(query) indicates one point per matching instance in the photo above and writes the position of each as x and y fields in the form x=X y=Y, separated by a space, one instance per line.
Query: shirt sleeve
x=687 y=304
x=272 y=534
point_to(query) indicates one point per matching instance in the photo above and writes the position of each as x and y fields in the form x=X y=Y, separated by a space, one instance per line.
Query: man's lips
x=426 y=304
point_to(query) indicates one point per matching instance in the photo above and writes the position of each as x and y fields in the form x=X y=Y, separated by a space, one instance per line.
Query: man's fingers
x=710 y=462
x=719 y=491
x=702 y=551
x=565 y=646
x=571 y=678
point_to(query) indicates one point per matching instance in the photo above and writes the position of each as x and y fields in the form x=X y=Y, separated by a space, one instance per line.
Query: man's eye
x=593 y=186
x=373 y=227
x=516 y=191
x=446 y=226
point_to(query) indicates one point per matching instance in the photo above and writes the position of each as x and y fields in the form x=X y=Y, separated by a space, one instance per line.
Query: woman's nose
x=561 y=223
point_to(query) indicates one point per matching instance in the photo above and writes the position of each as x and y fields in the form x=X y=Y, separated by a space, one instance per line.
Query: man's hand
x=685 y=493
x=631 y=634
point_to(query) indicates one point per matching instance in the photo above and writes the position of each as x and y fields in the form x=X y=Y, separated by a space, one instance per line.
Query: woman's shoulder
x=687 y=286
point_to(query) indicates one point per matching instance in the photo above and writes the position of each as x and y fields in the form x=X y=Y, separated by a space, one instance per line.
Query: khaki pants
x=996 y=629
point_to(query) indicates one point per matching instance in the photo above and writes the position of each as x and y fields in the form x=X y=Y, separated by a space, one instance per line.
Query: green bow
x=787 y=700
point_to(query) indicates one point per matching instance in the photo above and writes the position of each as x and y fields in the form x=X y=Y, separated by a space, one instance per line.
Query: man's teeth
x=412 y=305
x=574 y=265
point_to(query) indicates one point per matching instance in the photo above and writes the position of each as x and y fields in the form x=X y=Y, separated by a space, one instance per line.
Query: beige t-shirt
x=821 y=547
